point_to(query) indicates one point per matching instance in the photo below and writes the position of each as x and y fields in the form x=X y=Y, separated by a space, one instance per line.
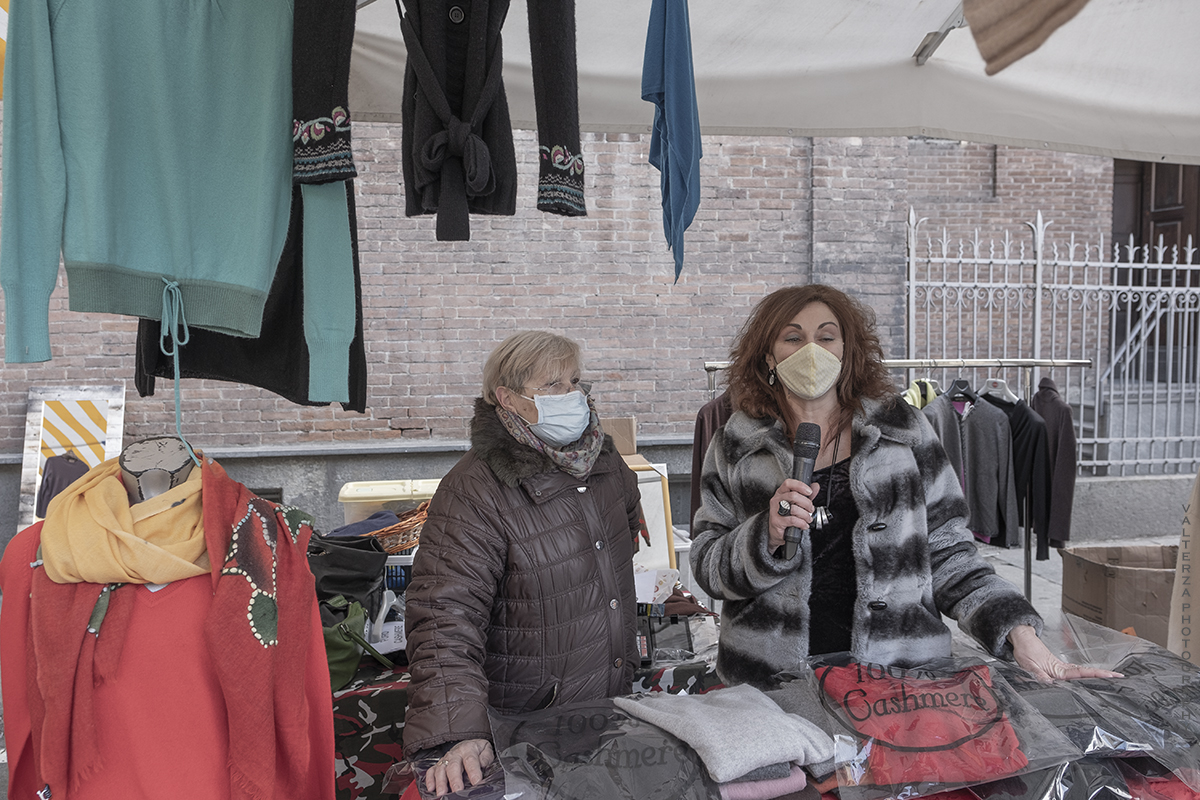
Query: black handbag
x=350 y=566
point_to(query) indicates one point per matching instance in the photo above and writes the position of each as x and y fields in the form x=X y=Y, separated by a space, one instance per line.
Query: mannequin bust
x=153 y=466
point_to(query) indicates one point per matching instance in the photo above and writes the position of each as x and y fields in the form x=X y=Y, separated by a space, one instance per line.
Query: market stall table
x=368 y=719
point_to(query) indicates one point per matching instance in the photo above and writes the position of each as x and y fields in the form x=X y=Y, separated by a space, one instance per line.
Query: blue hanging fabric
x=669 y=82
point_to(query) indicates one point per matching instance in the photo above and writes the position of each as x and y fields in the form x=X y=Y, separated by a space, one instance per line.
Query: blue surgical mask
x=562 y=418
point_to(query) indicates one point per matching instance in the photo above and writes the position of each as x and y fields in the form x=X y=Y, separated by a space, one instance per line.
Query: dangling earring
x=771 y=377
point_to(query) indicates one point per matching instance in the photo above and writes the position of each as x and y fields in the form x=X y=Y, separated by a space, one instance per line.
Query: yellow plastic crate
x=361 y=499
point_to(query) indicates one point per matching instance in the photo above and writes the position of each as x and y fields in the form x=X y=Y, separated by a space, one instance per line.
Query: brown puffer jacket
x=522 y=591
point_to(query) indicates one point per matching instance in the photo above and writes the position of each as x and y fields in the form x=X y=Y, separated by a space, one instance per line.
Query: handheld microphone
x=805 y=449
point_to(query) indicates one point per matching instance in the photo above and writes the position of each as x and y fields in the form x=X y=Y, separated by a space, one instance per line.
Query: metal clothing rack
x=1026 y=364
x=713 y=367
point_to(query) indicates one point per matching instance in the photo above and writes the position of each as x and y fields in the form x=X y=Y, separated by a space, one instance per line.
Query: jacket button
x=538 y=492
x=456 y=14
x=877 y=526
x=877 y=605
x=599 y=545
x=618 y=663
x=581 y=489
x=613 y=604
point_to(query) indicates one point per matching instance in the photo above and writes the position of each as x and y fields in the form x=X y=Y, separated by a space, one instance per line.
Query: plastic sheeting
x=594 y=750
x=910 y=732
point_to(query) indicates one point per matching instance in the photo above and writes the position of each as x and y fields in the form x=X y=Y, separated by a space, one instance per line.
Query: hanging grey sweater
x=979 y=446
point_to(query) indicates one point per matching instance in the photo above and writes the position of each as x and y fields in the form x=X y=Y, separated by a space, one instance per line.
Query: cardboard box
x=623 y=431
x=1121 y=587
x=636 y=462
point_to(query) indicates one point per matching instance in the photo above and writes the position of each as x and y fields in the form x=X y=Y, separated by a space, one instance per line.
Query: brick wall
x=773 y=211
x=859 y=190
x=968 y=190
x=963 y=187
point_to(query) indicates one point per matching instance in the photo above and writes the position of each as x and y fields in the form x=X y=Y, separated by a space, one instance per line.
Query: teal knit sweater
x=146 y=140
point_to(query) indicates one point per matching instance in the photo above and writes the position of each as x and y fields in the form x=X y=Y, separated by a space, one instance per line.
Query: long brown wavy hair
x=863 y=373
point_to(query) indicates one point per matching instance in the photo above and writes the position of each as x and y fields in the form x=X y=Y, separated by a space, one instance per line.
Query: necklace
x=822 y=516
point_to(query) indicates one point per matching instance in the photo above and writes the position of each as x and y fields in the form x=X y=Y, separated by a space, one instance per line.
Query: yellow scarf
x=93 y=535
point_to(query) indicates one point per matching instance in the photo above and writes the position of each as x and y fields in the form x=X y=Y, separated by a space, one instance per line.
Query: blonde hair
x=521 y=356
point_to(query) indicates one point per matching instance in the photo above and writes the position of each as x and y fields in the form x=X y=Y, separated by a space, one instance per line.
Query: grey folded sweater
x=733 y=730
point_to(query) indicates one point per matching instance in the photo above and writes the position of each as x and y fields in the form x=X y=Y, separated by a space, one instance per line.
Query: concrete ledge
x=1134 y=507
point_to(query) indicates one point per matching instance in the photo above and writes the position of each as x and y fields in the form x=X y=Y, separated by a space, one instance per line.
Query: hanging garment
x=1007 y=30
x=456 y=137
x=279 y=359
x=1031 y=468
x=306 y=351
x=556 y=100
x=148 y=145
x=1060 y=438
x=322 y=38
x=978 y=444
x=58 y=473
x=235 y=653
x=712 y=415
x=920 y=393
x=668 y=81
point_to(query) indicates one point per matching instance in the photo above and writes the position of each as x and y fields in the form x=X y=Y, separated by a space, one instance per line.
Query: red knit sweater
x=161 y=725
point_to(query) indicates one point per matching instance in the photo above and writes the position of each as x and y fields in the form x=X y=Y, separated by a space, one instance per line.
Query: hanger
x=996 y=387
x=961 y=390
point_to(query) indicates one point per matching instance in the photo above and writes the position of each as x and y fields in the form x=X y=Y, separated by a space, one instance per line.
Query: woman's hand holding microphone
x=791 y=507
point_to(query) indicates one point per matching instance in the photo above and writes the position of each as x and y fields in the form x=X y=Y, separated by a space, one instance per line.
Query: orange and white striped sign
x=79 y=425
x=3 y=38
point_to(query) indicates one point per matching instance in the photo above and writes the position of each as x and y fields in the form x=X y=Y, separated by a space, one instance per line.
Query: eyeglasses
x=559 y=388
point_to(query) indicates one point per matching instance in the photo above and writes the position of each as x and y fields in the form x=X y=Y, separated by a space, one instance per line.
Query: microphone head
x=808 y=440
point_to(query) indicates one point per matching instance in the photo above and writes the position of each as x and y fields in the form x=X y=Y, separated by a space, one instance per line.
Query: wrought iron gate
x=1134 y=312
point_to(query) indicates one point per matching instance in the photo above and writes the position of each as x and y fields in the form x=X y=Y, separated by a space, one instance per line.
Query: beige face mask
x=809 y=372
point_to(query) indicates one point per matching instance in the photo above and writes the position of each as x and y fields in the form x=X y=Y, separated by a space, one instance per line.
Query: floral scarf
x=577 y=459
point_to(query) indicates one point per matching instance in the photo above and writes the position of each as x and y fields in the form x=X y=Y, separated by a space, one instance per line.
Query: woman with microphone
x=884 y=550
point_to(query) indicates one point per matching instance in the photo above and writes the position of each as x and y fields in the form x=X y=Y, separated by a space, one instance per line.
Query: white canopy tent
x=1120 y=79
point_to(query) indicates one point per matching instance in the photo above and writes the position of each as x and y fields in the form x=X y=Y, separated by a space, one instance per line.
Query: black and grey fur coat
x=915 y=558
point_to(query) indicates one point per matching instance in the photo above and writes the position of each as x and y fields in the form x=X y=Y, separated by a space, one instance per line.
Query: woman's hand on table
x=796 y=498
x=471 y=756
x=1032 y=655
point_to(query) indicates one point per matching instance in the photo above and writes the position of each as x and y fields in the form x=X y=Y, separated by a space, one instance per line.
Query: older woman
x=884 y=549
x=522 y=592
